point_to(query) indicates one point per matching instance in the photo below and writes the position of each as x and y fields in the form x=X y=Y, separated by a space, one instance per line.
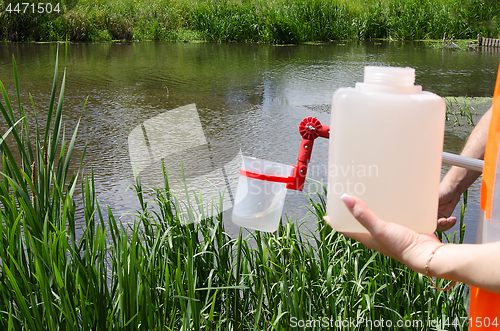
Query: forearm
x=461 y=178
x=476 y=143
x=477 y=265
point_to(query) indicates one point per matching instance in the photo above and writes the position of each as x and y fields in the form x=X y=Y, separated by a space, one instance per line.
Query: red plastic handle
x=310 y=128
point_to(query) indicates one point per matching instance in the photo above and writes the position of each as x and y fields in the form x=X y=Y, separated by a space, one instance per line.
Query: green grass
x=460 y=110
x=278 y=21
x=160 y=274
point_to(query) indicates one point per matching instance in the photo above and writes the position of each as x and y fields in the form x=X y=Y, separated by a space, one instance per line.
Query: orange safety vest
x=484 y=308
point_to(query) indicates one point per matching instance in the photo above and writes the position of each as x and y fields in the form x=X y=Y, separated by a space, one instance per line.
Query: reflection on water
x=248 y=98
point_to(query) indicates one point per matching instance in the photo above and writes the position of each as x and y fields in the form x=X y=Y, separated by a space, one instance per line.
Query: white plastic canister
x=386 y=141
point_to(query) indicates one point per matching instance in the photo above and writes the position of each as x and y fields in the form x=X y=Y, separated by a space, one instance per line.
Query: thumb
x=361 y=212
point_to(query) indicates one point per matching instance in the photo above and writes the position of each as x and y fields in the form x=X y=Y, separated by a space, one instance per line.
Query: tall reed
x=279 y=21
x=161 y=274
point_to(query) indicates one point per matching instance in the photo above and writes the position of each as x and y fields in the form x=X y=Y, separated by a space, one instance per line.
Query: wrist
x=449 y=260
x=434 y=266
x=427 y=269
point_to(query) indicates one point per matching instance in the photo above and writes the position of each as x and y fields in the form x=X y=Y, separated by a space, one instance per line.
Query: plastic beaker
x=260 y=194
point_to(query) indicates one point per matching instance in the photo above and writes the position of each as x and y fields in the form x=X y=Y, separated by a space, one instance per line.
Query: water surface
x=208 y=103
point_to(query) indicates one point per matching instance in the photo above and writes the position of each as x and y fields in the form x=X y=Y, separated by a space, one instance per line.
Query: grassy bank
x=159 y=274
x=277 y=21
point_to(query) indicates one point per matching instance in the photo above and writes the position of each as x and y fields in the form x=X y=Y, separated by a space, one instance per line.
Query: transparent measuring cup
x=260 y=194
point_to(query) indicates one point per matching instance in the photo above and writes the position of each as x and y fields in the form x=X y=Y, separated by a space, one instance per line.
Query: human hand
x=448 y=200
x=393 y=240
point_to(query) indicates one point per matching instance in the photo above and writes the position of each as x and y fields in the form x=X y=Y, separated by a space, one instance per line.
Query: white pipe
x=463 y=161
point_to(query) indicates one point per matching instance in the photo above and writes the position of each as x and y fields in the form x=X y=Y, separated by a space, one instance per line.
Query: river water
x=206 y=104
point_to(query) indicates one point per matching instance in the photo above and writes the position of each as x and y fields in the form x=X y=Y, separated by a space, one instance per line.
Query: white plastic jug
x=386 y=140
x=260 y=194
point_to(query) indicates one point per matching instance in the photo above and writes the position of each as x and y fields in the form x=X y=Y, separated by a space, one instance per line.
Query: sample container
x=260 y=194
x=386 y=141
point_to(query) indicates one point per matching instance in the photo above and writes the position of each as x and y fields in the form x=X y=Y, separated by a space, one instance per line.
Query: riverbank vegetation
x=160 y=274
x=277 y=21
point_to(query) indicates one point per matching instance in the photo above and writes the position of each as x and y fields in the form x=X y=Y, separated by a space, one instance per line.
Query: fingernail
x=348 y=200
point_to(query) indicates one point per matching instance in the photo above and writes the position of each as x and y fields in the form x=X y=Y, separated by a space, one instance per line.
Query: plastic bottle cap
x=392 y=80
x=389 y=76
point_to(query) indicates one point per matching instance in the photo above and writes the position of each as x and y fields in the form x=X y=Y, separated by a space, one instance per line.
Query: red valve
x=308 y=127
x=311 y=128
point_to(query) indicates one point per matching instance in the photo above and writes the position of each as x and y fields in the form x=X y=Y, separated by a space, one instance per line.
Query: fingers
x=327 y=220
x=391 y=239
x=365 y=238
x=361 y=212
x=444 y=224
